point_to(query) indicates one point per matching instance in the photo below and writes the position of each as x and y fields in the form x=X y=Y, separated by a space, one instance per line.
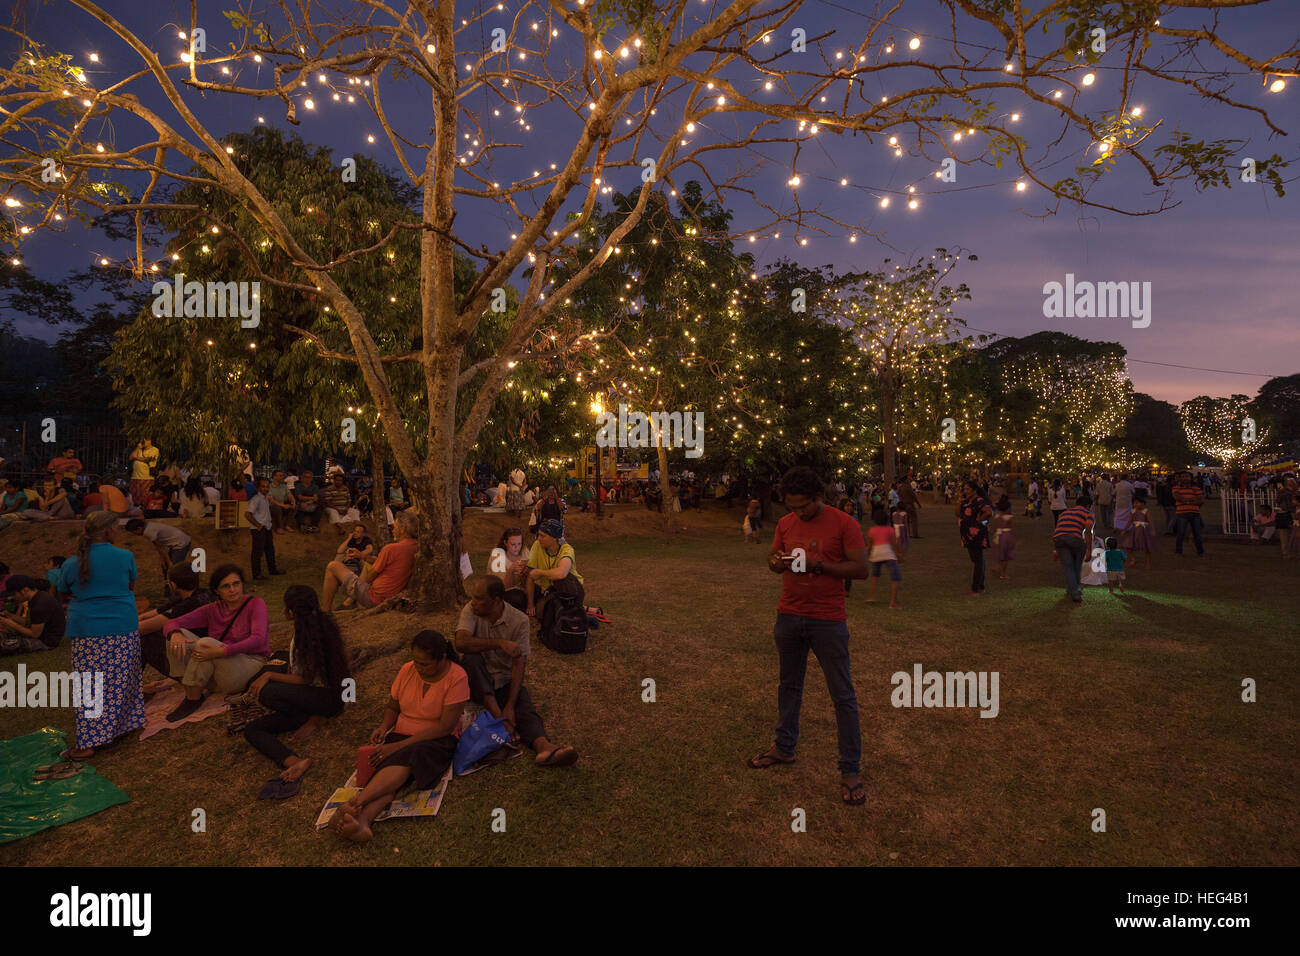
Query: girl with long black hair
x=312 y=689
x=417 y=736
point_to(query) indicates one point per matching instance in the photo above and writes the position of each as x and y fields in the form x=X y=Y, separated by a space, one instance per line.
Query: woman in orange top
x=418 y=735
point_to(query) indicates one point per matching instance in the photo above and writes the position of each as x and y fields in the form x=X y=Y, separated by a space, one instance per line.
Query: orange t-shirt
x=420 y=705
x=392 y=569
x=114 y=500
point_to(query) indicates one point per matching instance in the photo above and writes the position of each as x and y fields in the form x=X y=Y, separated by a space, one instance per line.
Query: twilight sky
x=1224 y=266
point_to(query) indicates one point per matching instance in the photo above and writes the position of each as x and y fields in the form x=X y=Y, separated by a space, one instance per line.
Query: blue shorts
x=894 y=573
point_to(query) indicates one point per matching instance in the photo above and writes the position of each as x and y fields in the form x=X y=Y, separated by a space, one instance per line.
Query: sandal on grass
x=855 y=794
x=769 y=758
x=559 y=757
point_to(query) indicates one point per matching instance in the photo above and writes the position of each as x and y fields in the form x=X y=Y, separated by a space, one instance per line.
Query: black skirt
x=428 y=760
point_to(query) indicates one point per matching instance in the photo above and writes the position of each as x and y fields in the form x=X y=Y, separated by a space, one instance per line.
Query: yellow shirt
x=145 y=469
x=539 y=559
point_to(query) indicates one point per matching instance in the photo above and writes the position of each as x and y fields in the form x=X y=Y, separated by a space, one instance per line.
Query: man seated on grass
x=338 y=503
x=307 y=496
x=42 y=627
x=492 y=639
x=186 y=596
x=282 y=502
x=379 y=581
x=172 y=544
x=552 y=566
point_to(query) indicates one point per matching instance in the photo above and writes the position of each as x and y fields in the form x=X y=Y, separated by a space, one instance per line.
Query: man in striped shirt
x=1072 y=540
x=1187 y=501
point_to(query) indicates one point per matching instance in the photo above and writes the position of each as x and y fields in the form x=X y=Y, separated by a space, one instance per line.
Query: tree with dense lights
x=1222 y=428
x=900 y=317
x=626 y=87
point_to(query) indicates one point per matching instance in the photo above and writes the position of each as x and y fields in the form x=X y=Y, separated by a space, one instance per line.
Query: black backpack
x=564 y=623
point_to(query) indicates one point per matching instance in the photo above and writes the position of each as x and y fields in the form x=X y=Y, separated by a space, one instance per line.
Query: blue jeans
x=1108 y=516
x=1181 y=524
x=1070 y=551
x=829 y=640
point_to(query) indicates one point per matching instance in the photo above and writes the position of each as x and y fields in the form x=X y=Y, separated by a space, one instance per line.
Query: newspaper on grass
x=408 y=803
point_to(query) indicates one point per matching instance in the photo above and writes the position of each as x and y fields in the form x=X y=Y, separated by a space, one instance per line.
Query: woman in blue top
x=104 y=629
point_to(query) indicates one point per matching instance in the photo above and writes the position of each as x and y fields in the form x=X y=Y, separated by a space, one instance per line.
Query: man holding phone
x=814 y=550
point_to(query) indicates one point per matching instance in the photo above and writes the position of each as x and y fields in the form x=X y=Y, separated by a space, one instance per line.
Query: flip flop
x=600 y=616
x=559 y=757
x=58 y=771
x=772 y=761
x=277 y=789
x=849 y=790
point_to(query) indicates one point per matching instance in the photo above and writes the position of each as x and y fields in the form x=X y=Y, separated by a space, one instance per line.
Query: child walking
x=1115 y=558
x=883 y=540
x=1142 y=538
x=899 y=520
x=1004 y=539
x=753 y=521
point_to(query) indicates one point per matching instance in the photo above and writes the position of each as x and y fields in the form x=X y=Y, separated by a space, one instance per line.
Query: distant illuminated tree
x=1221 y=428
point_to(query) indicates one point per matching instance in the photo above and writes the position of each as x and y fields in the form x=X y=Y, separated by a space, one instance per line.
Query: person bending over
x=418 y=734
x=492 y=637
x=311 y=691
x=171 y=543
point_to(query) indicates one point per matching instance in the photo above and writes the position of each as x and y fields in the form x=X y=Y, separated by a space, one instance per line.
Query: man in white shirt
x=172 y=544
x=259 y=518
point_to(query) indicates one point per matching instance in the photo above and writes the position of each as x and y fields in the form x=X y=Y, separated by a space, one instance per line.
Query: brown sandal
x=772 y=757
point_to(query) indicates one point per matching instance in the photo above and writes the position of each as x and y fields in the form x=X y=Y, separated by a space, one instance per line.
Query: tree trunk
x=889 y=441
x=435 y=578
x=670 y=522
x=378 y=500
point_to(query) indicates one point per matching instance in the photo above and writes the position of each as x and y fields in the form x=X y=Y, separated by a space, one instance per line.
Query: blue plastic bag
x=483 y=737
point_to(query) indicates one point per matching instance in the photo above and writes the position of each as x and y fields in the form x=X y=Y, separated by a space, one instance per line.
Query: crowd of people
x=216 y=640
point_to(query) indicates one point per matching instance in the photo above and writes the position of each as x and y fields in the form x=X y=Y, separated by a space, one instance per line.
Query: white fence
x=1239 y=507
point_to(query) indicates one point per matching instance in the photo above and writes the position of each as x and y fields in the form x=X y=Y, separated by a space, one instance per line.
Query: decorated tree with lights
x=945 y=417
x=628 y=88
x=900 y=318
x=1276 y=410
x=1060 y=398
x=1222 y=428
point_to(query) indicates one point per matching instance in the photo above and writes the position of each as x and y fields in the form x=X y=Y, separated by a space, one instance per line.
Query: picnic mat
x=408 y=803
x=167 y=700
x=27 y=805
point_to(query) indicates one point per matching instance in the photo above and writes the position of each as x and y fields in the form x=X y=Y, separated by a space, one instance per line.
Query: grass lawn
x=1128 y=704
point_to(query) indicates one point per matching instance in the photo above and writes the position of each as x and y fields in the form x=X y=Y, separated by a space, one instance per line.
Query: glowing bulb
x=884 y=203
x=914 y=43
x=309 y=104
x=1015 y=117
x=1020 y=186
x=1277 y=86
x=794 y=180
x=1089 y=79
x=1137 y=111
x=94 y=58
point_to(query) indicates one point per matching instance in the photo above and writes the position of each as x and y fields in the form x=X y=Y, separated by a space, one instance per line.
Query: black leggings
x=976 y=552
x=291 y=705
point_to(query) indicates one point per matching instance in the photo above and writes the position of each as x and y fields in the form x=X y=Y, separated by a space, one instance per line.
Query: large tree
x=623 y=83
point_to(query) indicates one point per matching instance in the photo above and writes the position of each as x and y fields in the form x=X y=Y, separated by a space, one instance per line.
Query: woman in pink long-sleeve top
x=235 y=649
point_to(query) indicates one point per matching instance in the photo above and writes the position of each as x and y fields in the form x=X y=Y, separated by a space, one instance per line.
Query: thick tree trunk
x=435 y=578
x=889 y=441
x=378 y=500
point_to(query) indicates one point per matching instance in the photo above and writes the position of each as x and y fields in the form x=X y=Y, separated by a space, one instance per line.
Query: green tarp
x=28 y=806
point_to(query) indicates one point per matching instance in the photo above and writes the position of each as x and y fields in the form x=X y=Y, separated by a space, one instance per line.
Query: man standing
x=1188 y=499
x=1106 y=501
x=492 y=638
x=144 y=464
x=911 y=502
x=305 y=493
x=172 y=544
x=1072 y=540
x=259 y=517
x=815 y=550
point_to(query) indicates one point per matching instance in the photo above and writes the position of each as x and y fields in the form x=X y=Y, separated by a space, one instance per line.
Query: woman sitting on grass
x=418 y=735
x=312 y=689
